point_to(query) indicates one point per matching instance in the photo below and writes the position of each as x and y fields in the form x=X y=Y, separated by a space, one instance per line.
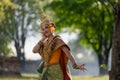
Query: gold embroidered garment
x=55 y=60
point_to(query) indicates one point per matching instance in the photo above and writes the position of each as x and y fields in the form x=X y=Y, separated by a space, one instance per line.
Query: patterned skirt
x=52 y=72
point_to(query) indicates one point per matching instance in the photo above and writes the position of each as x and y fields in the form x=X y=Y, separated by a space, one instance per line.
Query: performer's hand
x=80 y=67
x=43 y=36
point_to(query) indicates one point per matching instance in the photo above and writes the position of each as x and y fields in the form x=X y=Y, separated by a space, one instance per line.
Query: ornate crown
x=45 y=20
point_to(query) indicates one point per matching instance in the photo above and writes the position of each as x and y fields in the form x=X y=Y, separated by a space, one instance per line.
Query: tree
x=4 y=40
x=115 y=69
x=3 y=6
x=92 y=18
x=4 y=49
x=18 y=22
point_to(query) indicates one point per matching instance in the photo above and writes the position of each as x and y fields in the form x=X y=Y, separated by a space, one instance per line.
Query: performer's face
x=46 y=30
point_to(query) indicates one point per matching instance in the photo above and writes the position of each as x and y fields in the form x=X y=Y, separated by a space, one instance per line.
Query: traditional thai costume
x=54 y=65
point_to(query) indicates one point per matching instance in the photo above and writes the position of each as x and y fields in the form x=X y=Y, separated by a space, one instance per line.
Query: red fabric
x=63 y=64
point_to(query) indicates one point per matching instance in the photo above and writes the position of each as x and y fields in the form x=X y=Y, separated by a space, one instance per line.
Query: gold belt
x=47 y=64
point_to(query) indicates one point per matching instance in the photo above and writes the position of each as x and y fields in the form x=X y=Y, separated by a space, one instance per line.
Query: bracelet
x=74 y=66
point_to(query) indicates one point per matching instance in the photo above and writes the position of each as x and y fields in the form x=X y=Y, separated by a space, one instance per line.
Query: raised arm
x=37 y=47
x=72 y=59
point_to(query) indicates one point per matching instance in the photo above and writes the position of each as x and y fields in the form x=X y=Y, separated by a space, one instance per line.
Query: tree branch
x=112 y=5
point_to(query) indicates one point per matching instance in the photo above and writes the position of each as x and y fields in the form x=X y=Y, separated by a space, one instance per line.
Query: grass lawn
x=35 y=77
x=91 y=78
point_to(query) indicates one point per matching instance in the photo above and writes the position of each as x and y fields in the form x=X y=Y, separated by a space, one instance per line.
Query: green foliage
x=94 y=19
x=5 y=4
x=103 y=66
x=4 y=49
x=99 y=28
x=18 y=16
x=4 y=39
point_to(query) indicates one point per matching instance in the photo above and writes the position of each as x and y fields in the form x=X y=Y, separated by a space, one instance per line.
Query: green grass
x=23 y=77
x=91 y=78
x=35 y=77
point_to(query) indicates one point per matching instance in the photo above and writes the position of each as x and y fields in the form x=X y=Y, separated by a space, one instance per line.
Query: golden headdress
x=47 y=21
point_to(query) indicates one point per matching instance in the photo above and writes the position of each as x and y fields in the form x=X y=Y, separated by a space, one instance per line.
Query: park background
x=87 y=26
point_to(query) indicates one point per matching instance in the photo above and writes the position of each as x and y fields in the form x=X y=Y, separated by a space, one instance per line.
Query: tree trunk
x=115 y=68
x=20 y=52
x=104 y=61
x=100 y=60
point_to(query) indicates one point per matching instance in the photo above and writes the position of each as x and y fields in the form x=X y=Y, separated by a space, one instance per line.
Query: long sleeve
x=38 y=48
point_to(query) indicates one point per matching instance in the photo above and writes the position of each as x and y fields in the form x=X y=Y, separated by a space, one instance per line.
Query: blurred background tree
x=4 y=39
x=17 y=16
x=93 y=19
